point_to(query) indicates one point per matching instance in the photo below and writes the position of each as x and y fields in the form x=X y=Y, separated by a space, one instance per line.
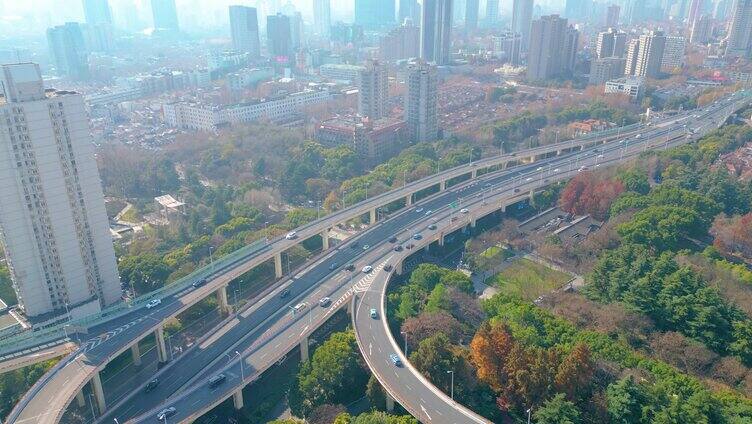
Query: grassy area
x=528 y=280
x=131 y=215
x=497 y=252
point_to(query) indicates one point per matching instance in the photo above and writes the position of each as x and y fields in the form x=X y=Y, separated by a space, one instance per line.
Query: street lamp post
x=452 y=385
x=529 y=410
x=404 y=336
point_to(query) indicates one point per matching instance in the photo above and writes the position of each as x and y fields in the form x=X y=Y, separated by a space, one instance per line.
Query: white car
x=153 y=303
x=300 y=306
x=291 y=235
x=367 y=269
x=464 y=210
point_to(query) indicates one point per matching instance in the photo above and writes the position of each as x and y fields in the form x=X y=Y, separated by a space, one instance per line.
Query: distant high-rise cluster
x=244 y=30
x=279 y=37
x=374 y=13
x=409 y=9
x=612 y=16
x=553 y=46
x=322 y=17
x=68 y=52
x=436 y=31
x=645 y=54
x=739 y=38
x=53 y=223
x=609 y=61
x=492 y=12
x=97 y=12
x=165 y=15
x=701 y=30
x=522 y=19
x=610 y=43
x=400 y=43
x=471 y=14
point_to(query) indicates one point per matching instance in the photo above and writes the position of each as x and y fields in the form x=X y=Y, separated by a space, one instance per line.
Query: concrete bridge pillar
x=503 y=208
x=304 y=349
x=136 y=354
x=389 y=402
x=96 y=386
x=473 y=221
x=398 y=268
x=441 y=239
x=278 y=265
x=442 y=185
x=532 y=194
x=224 y=306
x=349 y=309
x=532 y=158
x=161 y=346
x=80 y=399
x=372 y=216
x=409 y=200
x=237 y=399
x=325 y=239
x=474 y=174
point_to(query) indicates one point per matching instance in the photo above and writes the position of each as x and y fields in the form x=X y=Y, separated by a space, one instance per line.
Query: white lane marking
x=425 y=412
x=370 y=349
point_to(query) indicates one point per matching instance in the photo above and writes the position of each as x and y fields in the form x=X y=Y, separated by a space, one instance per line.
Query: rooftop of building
x=350 y=122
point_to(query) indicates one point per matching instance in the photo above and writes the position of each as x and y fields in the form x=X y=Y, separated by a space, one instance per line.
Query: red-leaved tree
x=589 y=194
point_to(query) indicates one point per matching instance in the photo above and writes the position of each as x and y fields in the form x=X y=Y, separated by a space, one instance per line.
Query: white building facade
x=53 y=222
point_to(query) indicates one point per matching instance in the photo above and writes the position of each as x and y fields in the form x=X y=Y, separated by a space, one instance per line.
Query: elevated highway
x=492 y=192
x=267 y=323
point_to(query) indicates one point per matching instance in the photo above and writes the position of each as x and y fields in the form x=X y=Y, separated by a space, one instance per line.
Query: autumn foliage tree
x=733 y=236
x=590 y=194
x=528 y=375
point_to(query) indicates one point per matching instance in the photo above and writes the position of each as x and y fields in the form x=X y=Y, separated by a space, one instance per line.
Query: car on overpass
x=166 y=413
x=153 y=303
x=395 y=360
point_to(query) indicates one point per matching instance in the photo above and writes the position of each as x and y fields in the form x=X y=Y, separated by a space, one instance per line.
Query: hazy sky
x=29 y=17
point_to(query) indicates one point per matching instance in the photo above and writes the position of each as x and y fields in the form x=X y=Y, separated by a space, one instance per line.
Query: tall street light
x=452 y=386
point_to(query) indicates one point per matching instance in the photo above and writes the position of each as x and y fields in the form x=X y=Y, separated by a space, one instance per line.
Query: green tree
x=662 y=227
x=634 y=180
x=626 y=401
x=378 y=417
x=434 y=357
x=333 y=375
x=557 y=410
x=438 y=300
x=145 y=272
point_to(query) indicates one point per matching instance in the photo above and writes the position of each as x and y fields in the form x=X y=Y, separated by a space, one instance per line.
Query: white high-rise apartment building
x=421 y=112
x=650 y=54
x=53 y=225
x=373 y=90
